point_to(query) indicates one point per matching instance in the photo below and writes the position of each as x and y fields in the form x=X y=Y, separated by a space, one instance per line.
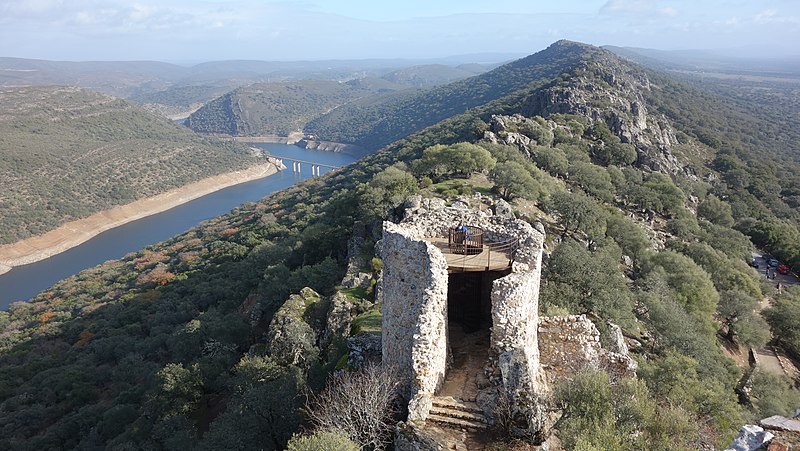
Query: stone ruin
x=414 y=297
x=414 y=303
x=569 y=344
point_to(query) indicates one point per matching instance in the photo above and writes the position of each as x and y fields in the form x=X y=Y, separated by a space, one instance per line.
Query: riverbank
x=77 y=232
x=301 y=140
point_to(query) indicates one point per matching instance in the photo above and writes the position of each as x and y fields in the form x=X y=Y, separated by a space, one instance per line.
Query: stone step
x=455 y=413
x=450 y=403
x=457 y=422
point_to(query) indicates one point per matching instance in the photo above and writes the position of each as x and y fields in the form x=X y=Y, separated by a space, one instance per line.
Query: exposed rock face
x=292 y=341
x=364 y=348
x=607 y=90
x=414 y=303
x=342 y=308
x=330 y=146
x=750 y=438
x=502 y=209
x=569 y=344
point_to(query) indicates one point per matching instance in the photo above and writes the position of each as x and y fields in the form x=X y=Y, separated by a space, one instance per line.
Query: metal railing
x=475 y=252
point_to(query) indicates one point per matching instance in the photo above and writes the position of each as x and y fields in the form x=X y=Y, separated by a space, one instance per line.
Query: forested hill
x=209 y=340
x=279 y=108
x=66 y=153
x=376 y=125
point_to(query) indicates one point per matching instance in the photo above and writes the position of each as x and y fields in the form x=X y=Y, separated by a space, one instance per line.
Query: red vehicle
x=783 y=269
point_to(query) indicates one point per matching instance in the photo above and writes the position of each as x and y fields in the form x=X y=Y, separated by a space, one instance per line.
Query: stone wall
x=414 y=309
x=414 y=306
x=569 y=344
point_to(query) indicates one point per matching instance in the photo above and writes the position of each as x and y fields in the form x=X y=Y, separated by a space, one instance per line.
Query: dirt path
x=768 y=361
x=77 y=232
x=469 y=352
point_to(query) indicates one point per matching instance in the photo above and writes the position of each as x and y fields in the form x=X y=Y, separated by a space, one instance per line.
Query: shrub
x=360 y=404
x=322 y=441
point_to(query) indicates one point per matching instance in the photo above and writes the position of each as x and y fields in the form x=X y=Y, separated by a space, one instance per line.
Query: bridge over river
x=297 y=164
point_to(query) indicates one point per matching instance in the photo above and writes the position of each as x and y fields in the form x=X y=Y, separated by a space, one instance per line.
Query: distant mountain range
x=177 y=88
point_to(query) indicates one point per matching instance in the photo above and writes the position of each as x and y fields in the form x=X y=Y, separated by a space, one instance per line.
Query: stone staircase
x=455 y=414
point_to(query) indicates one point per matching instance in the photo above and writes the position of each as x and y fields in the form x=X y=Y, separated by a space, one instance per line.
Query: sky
x=205 y=30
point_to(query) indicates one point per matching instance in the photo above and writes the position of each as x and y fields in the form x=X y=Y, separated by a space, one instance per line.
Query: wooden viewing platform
x=473 y=254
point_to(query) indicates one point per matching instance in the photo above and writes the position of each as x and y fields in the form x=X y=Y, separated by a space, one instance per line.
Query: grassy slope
x=68 y=152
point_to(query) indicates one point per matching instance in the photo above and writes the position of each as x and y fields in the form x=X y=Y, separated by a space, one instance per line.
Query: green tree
x=578 y=212
x=737 y=313
x=692 y=285
x=715 y=210
x=538 y=130
x=587 y=282
x=784 y=318
x=617 y=153
x=773 y=395
x=596 y=415
x=386 y=191
x=513 y=180
x=628 y=235
x=460 y=160
x=593 y=179
x=676 y=380
x=322 y=441
x=263 y=412
x=551 y=159
x=180 y=388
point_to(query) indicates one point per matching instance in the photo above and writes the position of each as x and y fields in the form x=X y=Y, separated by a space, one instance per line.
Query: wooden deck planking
x=485 y=261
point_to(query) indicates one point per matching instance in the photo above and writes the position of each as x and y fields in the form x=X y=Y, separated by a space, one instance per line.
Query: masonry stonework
x=570 y=344
x=414 y=310
x=414 y=303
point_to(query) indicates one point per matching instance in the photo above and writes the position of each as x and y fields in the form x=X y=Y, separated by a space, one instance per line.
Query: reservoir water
x=24 y=282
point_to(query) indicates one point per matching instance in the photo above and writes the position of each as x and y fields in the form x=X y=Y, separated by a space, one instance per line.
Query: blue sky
x=200 y=30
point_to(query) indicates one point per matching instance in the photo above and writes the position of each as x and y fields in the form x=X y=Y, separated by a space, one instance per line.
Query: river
x=24 y=282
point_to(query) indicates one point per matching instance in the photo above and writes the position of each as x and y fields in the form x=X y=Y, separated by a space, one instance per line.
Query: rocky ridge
x=603 y=89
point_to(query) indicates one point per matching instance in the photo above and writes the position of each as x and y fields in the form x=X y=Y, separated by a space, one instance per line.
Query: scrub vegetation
x=168 y=347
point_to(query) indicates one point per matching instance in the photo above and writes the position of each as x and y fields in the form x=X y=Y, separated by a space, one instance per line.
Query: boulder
x=502 y=209
x=750 y=438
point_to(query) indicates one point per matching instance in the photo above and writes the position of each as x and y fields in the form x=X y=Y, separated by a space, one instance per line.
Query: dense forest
x=67 y=153
x=214 y=338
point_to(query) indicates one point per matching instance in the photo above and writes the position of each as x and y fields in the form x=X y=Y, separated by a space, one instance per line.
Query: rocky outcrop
x=750 y=438
x=603 y=90
x=291 y=339
x=569 y=344
x=330 y=146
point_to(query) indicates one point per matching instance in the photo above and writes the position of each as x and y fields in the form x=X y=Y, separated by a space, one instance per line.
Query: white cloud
x=772 y=16
x=637 y=8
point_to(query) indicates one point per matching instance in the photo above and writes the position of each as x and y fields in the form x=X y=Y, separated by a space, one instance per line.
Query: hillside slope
x=275 y=108
x=385 y=122
x=208 y=341
x=66 y=153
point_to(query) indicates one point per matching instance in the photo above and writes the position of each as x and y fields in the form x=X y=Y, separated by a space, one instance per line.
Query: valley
x=635 y=200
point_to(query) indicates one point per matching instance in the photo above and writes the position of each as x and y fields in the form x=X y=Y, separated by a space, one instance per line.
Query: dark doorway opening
x=464 y=303
x=469 y=301
x=469 y=310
